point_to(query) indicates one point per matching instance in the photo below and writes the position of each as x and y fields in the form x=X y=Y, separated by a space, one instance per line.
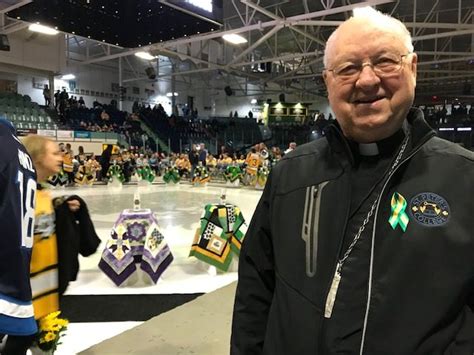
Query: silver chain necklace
x=331 y=298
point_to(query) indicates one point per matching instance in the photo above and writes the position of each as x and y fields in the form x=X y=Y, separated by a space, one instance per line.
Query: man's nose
x=367 y=77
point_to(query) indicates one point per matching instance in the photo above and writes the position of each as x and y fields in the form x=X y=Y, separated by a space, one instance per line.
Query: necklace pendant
x=331 y=299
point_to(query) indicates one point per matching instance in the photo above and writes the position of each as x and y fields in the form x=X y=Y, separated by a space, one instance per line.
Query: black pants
x=70 y=177
x=18 y=345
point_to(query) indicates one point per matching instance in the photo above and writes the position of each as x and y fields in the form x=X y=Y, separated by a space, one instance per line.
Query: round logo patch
x=429 y=209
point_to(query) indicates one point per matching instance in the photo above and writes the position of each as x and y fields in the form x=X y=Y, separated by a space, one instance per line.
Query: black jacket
x=76 y=235
x=421 y=288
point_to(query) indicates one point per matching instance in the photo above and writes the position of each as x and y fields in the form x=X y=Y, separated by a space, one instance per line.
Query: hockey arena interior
x=170 y=116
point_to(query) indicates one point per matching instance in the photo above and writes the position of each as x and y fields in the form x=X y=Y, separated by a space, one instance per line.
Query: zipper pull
x=331 y=299
x=315 y=192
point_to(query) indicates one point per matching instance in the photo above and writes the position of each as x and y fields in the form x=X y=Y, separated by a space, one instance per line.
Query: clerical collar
x=368 y=149
x=385 y=146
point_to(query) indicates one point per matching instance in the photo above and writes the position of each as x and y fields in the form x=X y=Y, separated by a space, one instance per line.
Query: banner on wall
x=82 y=134
x=47 y=132
x=286 y=113
x=25 y=131
x=64 y=134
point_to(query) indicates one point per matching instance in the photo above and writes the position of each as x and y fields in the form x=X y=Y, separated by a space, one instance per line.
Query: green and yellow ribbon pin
x=399 y=216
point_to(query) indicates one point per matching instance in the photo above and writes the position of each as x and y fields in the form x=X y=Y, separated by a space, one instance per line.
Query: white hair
x=374 y=17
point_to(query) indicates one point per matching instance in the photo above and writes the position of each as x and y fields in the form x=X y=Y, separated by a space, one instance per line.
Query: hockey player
x=17 y=214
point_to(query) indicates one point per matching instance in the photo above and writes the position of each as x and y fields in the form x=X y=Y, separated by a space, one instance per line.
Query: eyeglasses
x=383 y=66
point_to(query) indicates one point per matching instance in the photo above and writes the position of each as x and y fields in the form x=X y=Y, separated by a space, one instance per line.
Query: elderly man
x=361 y=243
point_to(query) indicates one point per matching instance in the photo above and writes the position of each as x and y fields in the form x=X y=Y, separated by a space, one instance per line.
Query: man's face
x=370 y=108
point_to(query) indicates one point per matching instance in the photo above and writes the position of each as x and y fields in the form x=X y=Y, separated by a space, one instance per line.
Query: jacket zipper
x=339 y=249
x=372 y=250
x=310 y=228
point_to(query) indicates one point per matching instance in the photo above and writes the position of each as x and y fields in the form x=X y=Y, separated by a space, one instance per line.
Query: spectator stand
x=24 y=113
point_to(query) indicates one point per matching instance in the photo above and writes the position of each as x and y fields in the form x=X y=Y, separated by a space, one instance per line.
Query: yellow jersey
x=44 y=258
x=68 y=165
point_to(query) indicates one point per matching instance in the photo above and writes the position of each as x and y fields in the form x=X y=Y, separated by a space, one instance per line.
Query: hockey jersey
x=44 y=259
x=17 y=206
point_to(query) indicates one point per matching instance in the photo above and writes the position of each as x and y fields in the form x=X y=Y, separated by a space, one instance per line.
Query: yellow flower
x=63 y=322
x=49 y=337
x=52 y=316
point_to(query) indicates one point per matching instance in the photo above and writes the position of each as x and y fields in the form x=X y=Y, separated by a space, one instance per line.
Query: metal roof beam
x=437 y=53
x=274 y=59
x=280 y=77
x=433 y=25
x=259 y=26
x=451 y=60
x=14 y=27
x=444 y=71
x=278 y=18
x=461 y=76
x=443 y=35
x=14 y=6
x=256 y=44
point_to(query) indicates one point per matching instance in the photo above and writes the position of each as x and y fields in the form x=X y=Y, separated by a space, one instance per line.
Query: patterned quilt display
x=171 y=175
x=59 y=179
x=201 y=175
x=115 y=173
x=84 y=176
x=233 y=173
x=135 y=239
x=262 y=176
x=146 y=173
x=220 y=235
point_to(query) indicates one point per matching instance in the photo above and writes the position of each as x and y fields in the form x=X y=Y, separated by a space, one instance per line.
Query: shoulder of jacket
x=8 y=148
x=305 y=166
x=311 y=148
x=441 y=146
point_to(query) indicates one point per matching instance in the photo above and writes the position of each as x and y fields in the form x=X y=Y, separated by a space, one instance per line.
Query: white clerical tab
x=369 y=149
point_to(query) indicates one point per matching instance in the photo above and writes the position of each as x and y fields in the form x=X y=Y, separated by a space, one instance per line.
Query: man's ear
x=414 y=65
x=325 y=77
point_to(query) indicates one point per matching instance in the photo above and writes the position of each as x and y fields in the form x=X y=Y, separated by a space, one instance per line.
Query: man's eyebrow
x=351 y=57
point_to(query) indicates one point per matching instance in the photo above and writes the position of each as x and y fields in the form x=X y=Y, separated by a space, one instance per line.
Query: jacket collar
x=343 y=148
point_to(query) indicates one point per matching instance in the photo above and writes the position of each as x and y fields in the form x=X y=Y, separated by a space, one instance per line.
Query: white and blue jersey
x=17 y=205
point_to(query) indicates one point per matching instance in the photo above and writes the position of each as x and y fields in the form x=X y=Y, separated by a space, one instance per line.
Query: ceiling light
x=234 y=38
x=144 y=55
x=42 y=29
x=68 y=77
x=253 y=101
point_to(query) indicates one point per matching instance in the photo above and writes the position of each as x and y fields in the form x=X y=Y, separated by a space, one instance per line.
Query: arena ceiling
x=290 y=35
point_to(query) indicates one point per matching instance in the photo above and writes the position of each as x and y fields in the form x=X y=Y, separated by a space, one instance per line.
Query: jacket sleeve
x=256 y=282
x=89 y=241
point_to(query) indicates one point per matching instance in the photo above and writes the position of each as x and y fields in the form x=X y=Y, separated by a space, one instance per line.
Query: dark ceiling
x=126 y=23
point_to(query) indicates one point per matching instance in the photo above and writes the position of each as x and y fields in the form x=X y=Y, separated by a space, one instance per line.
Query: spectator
x=47 y=95
x=57 y=95
x=105 y=161
x=202 y=154
x=291 y=147
x=193 y=159
x=68 y=164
